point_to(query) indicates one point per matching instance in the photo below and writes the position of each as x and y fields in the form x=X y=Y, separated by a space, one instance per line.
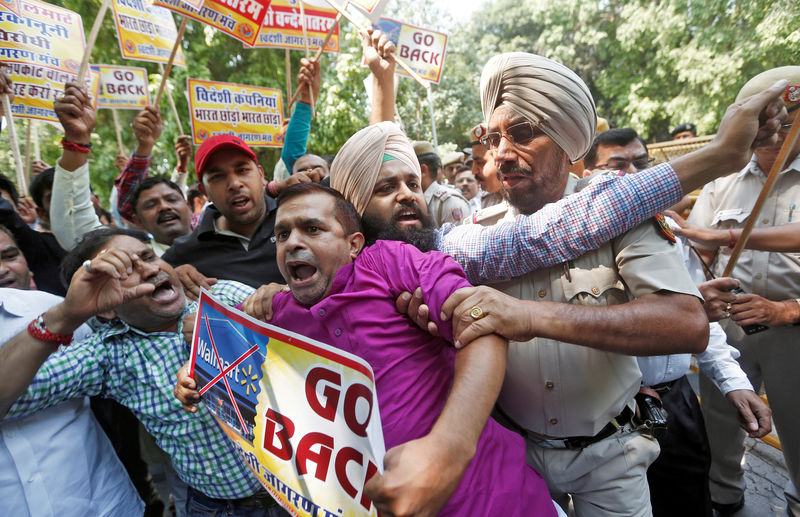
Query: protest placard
x=145 y=32
x=372 y=9
x=281 y=27
x=122 y=87
x=422 y=49
x=43 y=47
x=253 y=113
x=302 y=414
x=10 y=5
x=238 y=18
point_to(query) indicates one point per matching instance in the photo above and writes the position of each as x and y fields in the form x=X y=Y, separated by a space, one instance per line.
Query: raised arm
x=294 y=143
x=379 y=55
x=71 y=210
x=147 y=126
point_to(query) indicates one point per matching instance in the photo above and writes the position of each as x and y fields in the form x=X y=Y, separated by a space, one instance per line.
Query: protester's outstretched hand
x=496 y=313
x=414 y=307
x=707 y=237
x=313 y=176
x=186 y=390
x=717 y=296
x=419 y=478
x=183 y=149
x=26 y=210
x=754 y=414
x=6 y=84
x=259 y=304
x=309 y=73
x=147 y=126
x=379 y=54
x=750 y=123
x=193 y=280
x=74 y=111
x=37 y=166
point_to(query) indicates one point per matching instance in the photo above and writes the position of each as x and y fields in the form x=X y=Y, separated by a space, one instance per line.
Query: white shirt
x=57 y=462
x=717 y=362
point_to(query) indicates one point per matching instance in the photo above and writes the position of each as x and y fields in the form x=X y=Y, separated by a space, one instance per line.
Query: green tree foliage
x=650 y=64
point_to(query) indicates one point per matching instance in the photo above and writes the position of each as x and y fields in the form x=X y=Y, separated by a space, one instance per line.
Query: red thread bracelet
x=38 y=330
x=732 y=243
x=76 y=147
x=271 y=189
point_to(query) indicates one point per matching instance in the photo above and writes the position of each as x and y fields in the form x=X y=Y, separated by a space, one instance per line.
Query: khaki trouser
x=772 y=357
x=604 y=479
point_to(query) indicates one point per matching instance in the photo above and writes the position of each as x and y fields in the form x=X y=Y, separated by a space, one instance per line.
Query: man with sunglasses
x=772 y=281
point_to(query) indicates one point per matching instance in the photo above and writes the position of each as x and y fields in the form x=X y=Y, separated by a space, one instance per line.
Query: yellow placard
x=303 y=415
x=146 y=32
x=240 y=19
x=43 y=47
x=122 y=87
x=282 y=29
x=252 y=113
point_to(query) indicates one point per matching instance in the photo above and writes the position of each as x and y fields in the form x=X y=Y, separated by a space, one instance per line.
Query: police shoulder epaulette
x=663 y=228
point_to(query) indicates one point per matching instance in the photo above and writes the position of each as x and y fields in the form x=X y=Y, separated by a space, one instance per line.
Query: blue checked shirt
x=561 y=231
x=138 y=369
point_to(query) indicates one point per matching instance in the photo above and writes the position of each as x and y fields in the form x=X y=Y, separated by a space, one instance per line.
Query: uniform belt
x=575 y=442
x=664 y=387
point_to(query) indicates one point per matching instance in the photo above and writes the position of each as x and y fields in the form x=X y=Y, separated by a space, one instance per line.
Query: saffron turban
x=358 y=164
x=545 y=92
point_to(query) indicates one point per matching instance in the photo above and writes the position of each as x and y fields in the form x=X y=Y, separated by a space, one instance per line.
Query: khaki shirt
x=445 y=204
x=559 y=389
x=726 y=203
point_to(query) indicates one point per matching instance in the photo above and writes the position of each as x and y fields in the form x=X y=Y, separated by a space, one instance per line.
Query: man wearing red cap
x=235 y=238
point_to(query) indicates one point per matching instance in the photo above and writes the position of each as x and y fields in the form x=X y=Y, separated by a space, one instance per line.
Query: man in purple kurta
x=442 y=455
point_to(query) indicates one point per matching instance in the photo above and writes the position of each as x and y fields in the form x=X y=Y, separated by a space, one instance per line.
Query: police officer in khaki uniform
x=571 y=376
x=772 y=281
x=445 y=203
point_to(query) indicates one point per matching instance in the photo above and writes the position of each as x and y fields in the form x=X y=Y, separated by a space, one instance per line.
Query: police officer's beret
x=764 y=80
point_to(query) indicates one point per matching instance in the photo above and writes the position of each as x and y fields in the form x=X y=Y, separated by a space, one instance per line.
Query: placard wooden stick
x=87 y=53
x=168 y=68
x=22 y=184
x=172 y=106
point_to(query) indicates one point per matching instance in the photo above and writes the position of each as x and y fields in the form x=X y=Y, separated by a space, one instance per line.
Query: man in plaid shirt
x=131 y=358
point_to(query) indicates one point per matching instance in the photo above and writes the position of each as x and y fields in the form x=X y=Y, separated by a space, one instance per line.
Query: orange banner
x=240 y=19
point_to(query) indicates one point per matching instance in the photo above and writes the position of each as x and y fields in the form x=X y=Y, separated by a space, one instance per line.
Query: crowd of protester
x=530 y=314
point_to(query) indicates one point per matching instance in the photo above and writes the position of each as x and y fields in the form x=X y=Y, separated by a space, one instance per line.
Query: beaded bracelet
x=38 y=330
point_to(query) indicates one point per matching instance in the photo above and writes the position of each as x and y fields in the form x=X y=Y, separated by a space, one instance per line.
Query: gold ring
x=728 y=308
x=476 y=313
x=727 y=314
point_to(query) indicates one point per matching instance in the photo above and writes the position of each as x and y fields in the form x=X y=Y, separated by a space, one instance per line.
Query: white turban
x=358 y=164
x=542 y=90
